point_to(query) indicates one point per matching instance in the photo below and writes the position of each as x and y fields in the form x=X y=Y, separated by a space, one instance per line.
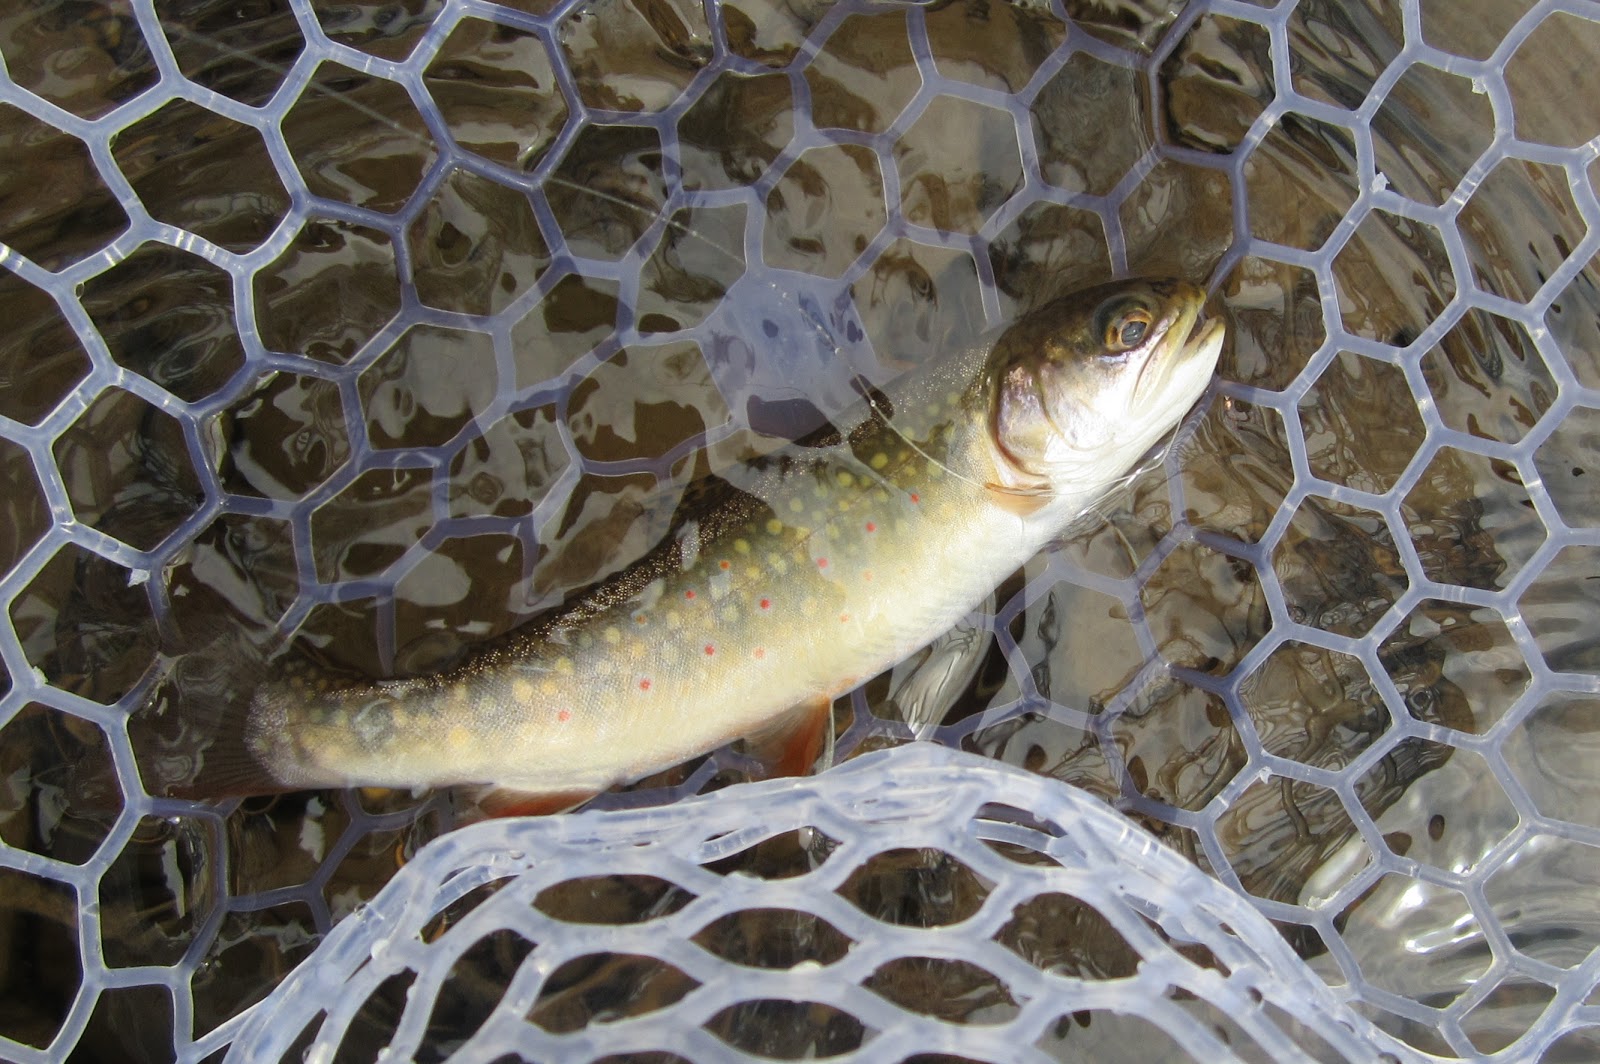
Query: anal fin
x=792 y=745
x=507 y=801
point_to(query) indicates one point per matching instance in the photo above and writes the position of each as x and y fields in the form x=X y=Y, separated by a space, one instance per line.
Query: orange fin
x=792 y=745
x=505 y=801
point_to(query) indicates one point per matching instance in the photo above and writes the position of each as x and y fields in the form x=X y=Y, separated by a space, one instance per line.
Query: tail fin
x=190 y=738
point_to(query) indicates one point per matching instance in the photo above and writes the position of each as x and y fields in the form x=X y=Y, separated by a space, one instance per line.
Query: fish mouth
x=1189 y=335
x=1208 y=333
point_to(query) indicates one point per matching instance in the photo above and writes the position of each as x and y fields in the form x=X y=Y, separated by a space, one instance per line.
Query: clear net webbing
x=366 y=322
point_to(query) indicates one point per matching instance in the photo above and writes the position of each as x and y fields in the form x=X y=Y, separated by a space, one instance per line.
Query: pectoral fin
x=924 y=686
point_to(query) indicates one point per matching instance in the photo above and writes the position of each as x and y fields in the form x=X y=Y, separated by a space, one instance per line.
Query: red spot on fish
x=844 y=618
x=867 y=576
x=822 y=563
x=564 y=716
x=871 y=527
x=766 y=604
x=761 y=652
x=638 y=618
x=725 y=565
x=644 y=685
x=688 y=594
x=710 y=650
x=915 y=497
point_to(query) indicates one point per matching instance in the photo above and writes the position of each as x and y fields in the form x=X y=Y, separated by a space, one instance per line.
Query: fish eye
x=1128 y=329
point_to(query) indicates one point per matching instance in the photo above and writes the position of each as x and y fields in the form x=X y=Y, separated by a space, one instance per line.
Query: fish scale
x=782 y=587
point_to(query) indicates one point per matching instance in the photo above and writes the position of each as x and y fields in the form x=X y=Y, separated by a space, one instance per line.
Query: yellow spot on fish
x=730 y=614
x=778 y=565
x=673 y=619
x=613 y=636
x=753 y=571
x=741 y=546
x=564 y=666
x=585 y=640
x=548 y=686
x=845 y=479
x=879 y=460
x=774 y=526
x=522 y=690
x=796 y=505
x=458 y=737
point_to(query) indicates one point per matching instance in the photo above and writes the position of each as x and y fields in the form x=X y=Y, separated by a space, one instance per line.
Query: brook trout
x=826 y=567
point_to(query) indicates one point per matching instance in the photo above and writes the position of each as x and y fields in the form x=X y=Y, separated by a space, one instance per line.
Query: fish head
x=1079 y=389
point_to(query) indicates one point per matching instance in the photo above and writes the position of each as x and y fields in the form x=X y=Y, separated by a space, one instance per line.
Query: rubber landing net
x=311 y=320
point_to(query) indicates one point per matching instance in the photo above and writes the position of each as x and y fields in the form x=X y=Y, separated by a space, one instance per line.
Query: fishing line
x=886 y=418
x=669 y=222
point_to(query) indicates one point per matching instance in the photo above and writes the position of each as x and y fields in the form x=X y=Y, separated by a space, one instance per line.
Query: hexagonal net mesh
x=362 y=332
x=811 y=907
